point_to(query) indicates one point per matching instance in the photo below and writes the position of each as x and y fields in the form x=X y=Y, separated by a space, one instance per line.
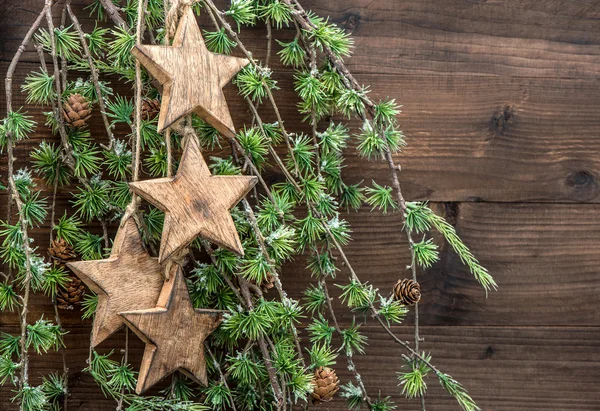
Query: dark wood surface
x=501 y=102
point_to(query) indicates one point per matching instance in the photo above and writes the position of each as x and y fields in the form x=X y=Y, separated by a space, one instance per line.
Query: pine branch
x=351 y=365
x=88 y=56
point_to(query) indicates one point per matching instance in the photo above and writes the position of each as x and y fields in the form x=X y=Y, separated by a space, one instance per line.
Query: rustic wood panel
x=504 y=368
x=547 y=38
x=501 y=106
x=469 y=138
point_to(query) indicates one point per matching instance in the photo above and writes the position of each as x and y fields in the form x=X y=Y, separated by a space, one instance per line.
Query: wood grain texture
x=524 y=38
x=501 y=101
x=504 y=368
x=174 y=333
x=192 y=77
x=130 y=279
x=543 y=258
x=196 y=203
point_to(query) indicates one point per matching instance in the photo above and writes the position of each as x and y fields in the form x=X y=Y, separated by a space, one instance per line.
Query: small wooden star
x=128 y=280
x=196 y=203
x=174 y=333
x=192 y=77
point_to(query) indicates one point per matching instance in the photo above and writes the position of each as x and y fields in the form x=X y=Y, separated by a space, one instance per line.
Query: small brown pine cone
x=326 y=385
x=71 y=295
x=150 y=109
x=407 y=291
x=61 y=252
x=76 y=110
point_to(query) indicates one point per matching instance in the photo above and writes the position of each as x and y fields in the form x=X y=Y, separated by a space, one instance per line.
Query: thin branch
x=351 y=365
x=94 y=72
x=113 y=13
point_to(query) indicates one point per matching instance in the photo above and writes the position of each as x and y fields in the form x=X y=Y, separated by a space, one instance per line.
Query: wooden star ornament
x=174 y=333
x=192 y=77
x=196 y=203
x=130 y=279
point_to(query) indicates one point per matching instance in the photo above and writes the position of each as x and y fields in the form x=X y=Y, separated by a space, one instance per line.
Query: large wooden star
x=192 y=77
x=128 y=280
x=174 y=333
x=196 y=203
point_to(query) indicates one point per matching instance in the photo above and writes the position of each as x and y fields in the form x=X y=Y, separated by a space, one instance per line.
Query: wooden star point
x=128 y=280
x=174 y=333
x=196 y=203
x=192 y=77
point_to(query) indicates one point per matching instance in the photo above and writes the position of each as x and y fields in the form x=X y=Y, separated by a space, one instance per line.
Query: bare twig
x=113 y=13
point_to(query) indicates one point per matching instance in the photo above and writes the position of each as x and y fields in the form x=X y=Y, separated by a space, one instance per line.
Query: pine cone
x=326 y=385
x=407 y=291
x=61 y=252
x=76 y=110
x=150 y=109
x=71 y=295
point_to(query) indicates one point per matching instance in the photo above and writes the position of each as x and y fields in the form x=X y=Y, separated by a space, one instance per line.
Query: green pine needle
x=43 y=336
x=68 y=229
x=426 y=253
x=391 y=311
x=254 y=145
x=353 y=341
x=92 y=202
x=89 y=246
x=413 y=375
x=356 y=294
x=118 y=160
x=326 y=35
x=18 y=124
x=218 y=41
x=353 y=395
x=8 y=369
x=352 y=197
x=120 y=47
x=39 y=87
x=243 y=12
x=66 y=42
x=321 y=355
x=277 y=12
x=420 y=218
x=47 y=162
x=97 y=42
x=10 y=345
x=89 y=305
x=456 y=389
x=56 y=277
x=315 y=299
x=380 y=197
x=320 y=331
x=254 y=82
x=54 y=388
x=292 y=53
x=120 y=110
x=386 y=112
x=9 y=299
x=31 y=398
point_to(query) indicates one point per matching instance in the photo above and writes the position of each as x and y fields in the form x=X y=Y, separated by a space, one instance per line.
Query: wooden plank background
x=501 y=101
